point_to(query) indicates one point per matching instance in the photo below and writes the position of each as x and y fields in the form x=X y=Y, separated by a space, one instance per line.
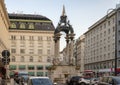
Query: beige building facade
x=79 y=54
x=101 y=41
x=31 y=43
x=4 y=25
x=4 y=29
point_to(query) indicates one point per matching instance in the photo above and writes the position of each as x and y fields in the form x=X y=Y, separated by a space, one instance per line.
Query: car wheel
x=82 y=83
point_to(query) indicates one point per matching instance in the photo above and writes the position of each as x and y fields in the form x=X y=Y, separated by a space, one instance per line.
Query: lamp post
x=115 y=66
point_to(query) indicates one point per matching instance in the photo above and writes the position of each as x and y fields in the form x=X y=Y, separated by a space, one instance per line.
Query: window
x=22 y=37
x=108 y=23
x=39 y=67
x=40 y=51
x=48 y=51
x=108 y=31
x=13 y=50
x=22 y=50
x=31 y=73
x=31 y=38
x=39 y=73
x=105 y=25
x=22 y=67
x=30 y=67
x=31 y=59
x=48 y=38
x=22 y=58
x=31 y=26
x=22 y=26
x=48 y=59
x=40 y=38
x=104 y=33
x=13 y=59
x=113 y=29
x=40 y=59
x=31 y=51
x=13 y=25
x=119 y=52
x=13 y=37
x=12 y=67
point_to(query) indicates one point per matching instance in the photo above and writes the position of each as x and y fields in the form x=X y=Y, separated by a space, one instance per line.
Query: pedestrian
x=16 y=79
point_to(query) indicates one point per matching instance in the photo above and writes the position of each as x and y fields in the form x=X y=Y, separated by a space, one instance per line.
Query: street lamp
x=115 y=10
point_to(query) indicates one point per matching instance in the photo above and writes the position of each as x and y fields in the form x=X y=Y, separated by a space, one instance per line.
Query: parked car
x=94 y=81
x=39 y=81
x=109 y=80
x=84 y=81
x=74 y=80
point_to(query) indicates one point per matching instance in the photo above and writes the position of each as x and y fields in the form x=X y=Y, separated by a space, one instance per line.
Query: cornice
x=31 y=31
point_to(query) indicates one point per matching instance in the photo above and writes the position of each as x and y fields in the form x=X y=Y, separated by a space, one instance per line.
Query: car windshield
x=38 y=81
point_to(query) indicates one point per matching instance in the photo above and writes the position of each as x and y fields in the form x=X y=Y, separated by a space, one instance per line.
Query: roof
x=39 y=22
x=27 y=16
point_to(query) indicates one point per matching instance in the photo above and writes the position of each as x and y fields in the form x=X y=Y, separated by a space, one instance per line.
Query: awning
x=31 y=73
x=39 y=73
x=21 y=66
x=12 y=67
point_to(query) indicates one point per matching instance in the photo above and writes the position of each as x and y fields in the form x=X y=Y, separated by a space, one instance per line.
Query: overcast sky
x=81 y=13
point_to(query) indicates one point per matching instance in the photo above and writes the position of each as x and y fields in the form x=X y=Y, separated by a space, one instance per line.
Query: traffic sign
x=5 y=61
x=5 y=53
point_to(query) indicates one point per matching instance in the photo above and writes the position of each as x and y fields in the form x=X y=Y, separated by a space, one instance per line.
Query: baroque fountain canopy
x=64 y=25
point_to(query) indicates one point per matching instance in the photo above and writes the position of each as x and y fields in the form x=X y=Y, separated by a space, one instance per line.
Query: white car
x=39 y=81
x=84 y=81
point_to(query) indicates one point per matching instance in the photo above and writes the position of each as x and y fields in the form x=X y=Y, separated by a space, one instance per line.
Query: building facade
x=4 y=25
x=4 y=32
x=31 y=44
x=101 y=42
x=79 y=53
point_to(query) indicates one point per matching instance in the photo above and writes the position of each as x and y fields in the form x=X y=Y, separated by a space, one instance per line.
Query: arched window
x=13 y=58
x=22 y=26
x=31 y=26
x=22 y=58
x=31 y=59
x=13 y=25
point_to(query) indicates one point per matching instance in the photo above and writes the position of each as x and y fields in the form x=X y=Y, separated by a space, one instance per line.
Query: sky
x=81 y=13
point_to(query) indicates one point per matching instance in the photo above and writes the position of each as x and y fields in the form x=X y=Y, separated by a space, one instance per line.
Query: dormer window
x=13 y=25
x=22 y=26
x=31 y=26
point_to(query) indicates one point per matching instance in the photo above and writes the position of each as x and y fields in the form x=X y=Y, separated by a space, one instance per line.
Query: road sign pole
x=6 y=67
